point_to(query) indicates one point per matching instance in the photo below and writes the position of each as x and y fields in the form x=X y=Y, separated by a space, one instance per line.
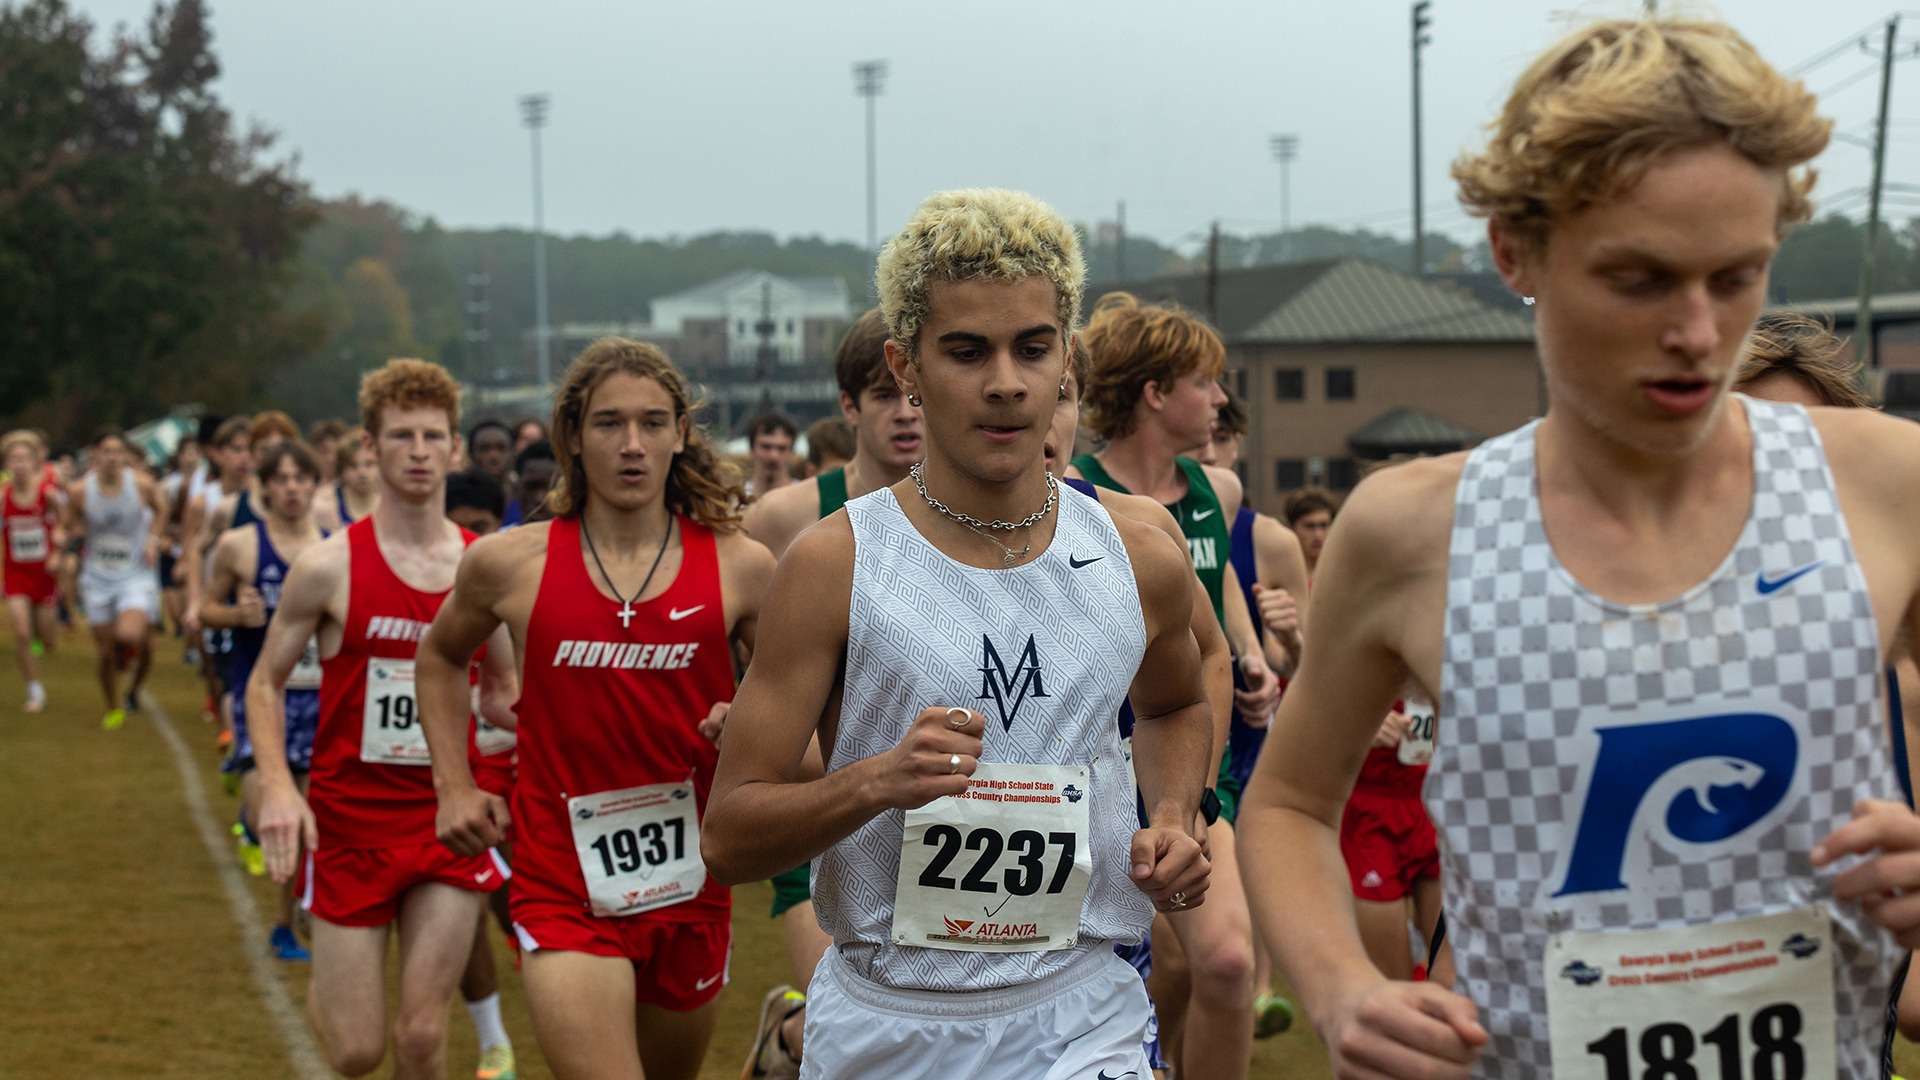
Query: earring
x=1527 y=300
x=913 y=400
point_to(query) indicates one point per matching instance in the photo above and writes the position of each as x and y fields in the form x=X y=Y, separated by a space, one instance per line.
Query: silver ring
x=953 y=764
x=964 y=719
x=1178 y=900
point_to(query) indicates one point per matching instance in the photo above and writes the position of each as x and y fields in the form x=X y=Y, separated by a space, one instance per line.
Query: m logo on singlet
x=1684 y=785
x=1009 y=690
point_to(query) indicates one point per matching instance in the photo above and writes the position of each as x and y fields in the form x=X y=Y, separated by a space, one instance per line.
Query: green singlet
x=1210 y=541
x=793 y=887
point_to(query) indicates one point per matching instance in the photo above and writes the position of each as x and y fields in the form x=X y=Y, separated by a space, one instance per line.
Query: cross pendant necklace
x=626 y=612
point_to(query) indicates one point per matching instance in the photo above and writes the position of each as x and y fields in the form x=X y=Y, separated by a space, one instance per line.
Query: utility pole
x=1284 y=149
x=1420 y=41
x=533 y=110
x=1120 y=240
x=869 y=81
x=1863 y=346
x=1213 y=275
x=478 y=338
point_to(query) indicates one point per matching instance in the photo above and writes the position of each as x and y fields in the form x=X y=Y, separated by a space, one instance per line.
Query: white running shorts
x=105 y=600
x=1085 y=1022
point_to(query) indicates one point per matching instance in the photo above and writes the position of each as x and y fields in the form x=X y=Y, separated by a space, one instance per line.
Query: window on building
x=1342 y=473
x=1240 y=382
x=742 y=330
x=1289 y=473
x=789 y=327
x=1289 y=384
x=1340 y=384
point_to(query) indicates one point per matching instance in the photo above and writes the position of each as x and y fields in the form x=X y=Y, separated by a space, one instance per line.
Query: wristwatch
x=1210 y=805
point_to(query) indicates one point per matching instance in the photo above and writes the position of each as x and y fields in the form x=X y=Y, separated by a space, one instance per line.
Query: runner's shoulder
x=1400 y=519
x=1140 y=510
x=1226 y=487
x=497 y=557
x=1162 y=567
x=780 y=514
x=1872 y=450
x=328 y=561
x=739 y=552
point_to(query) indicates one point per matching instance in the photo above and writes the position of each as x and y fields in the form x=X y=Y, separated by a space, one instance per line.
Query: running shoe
x=1271 y=1016
x=190 y=657
x=36 y=698
x=113 y=719
x=496 y=1063
x=133 y=701
x=769 y=1058
x=287 y=947
x=249 y=851
x=225 y=739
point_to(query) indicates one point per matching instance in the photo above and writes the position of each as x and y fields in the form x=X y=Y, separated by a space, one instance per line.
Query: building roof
x=831 y=288
x=1347 y=301
x=1410 y=431
x=1900 y=307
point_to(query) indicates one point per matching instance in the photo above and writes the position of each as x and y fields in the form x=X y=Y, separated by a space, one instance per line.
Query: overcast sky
x=676 y=118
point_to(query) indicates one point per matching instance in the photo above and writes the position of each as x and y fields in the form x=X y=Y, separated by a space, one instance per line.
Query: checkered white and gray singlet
x=1067 y=637
x=1763 y=682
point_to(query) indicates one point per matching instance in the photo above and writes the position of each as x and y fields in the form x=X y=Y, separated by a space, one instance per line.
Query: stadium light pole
x=869 y=81
x=1420 y=40
x=533 y=111
x=1285 y=148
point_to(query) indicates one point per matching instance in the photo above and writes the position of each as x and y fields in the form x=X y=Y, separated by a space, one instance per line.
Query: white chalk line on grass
x=301 y=1049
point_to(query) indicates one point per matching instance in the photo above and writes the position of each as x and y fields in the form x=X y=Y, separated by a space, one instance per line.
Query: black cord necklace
x=626 y=605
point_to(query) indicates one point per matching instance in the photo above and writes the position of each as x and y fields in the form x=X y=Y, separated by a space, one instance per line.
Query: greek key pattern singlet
x=1067 y=635
x=1611 y=767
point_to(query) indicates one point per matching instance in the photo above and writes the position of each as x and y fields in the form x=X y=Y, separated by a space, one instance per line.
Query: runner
x=230 y=456
x=372 y=864
x=324 y=438
x=490 y=447
x=357 y=490
x=893 y=608
x=1153 y=396
x=475 y=501
x=533 y=471
x=186 y=468
x=243 y=592
x=829 y=445
x=770 y=440
x=1309 y=512
x=887 y=440
x=1216 y=659
x=626 y=938
x=526 y=431
x=33 y=534
x=1653 y=622
x=121 y=515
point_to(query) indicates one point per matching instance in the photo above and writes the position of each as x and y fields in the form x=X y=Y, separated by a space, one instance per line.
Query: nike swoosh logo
x=676 y=614
x=704 y=983
x=483 y=876
x=1202 y=515
x=1767 y=585
x=1104 y=1075
x=1078 y=563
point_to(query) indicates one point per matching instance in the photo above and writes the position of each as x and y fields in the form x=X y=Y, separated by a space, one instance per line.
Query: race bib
x=1745 y=1000
x=488 y=739
x=390 y=722
x=306 y=673
x=111 y=554
x=1001 y=867
x=1416 y=747
x=27 y=540
x=639 y=847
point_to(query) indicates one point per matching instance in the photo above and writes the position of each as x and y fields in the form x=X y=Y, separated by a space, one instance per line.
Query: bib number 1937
x=639 y=847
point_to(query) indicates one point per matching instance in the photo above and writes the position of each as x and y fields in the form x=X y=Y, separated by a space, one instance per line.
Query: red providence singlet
x=372 y=783
x=609 y=738
x=29 y=543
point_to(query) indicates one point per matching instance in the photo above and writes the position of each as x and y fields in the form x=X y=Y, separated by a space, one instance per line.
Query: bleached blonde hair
x=1597 y=109
x=976 y=233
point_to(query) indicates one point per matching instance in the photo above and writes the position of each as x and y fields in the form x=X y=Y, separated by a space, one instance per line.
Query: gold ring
x=964 y=719
x=1178 y=900
x=953 y=764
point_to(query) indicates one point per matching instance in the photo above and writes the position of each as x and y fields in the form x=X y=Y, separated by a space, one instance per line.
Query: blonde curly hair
x=1597 y=109
x=976 y=233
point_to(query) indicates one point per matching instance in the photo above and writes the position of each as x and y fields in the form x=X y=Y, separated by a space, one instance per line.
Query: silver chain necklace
x=976 y=525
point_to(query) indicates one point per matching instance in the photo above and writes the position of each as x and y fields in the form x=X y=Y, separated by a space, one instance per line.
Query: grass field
x=121 y=953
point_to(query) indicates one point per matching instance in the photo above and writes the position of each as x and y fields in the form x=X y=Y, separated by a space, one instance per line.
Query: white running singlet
x=1046 y=652
x=1626 y=796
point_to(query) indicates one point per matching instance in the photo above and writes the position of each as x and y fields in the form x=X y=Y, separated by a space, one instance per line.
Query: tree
x=145 y=243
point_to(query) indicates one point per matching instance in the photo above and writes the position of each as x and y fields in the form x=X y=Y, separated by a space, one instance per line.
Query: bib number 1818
x=1669 y=1050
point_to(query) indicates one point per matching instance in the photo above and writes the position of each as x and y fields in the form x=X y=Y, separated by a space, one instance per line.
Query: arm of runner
x=192 y=521
x=761 y=819
x=746 y=568
x=248 y=607
x=286 y=821
x=500 y=681
x=469 y=820
x=1173 y=727
x=1366 y=594
x=1279 y=593
x=156 y=498
x=1262 y=695
x=779 y=516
